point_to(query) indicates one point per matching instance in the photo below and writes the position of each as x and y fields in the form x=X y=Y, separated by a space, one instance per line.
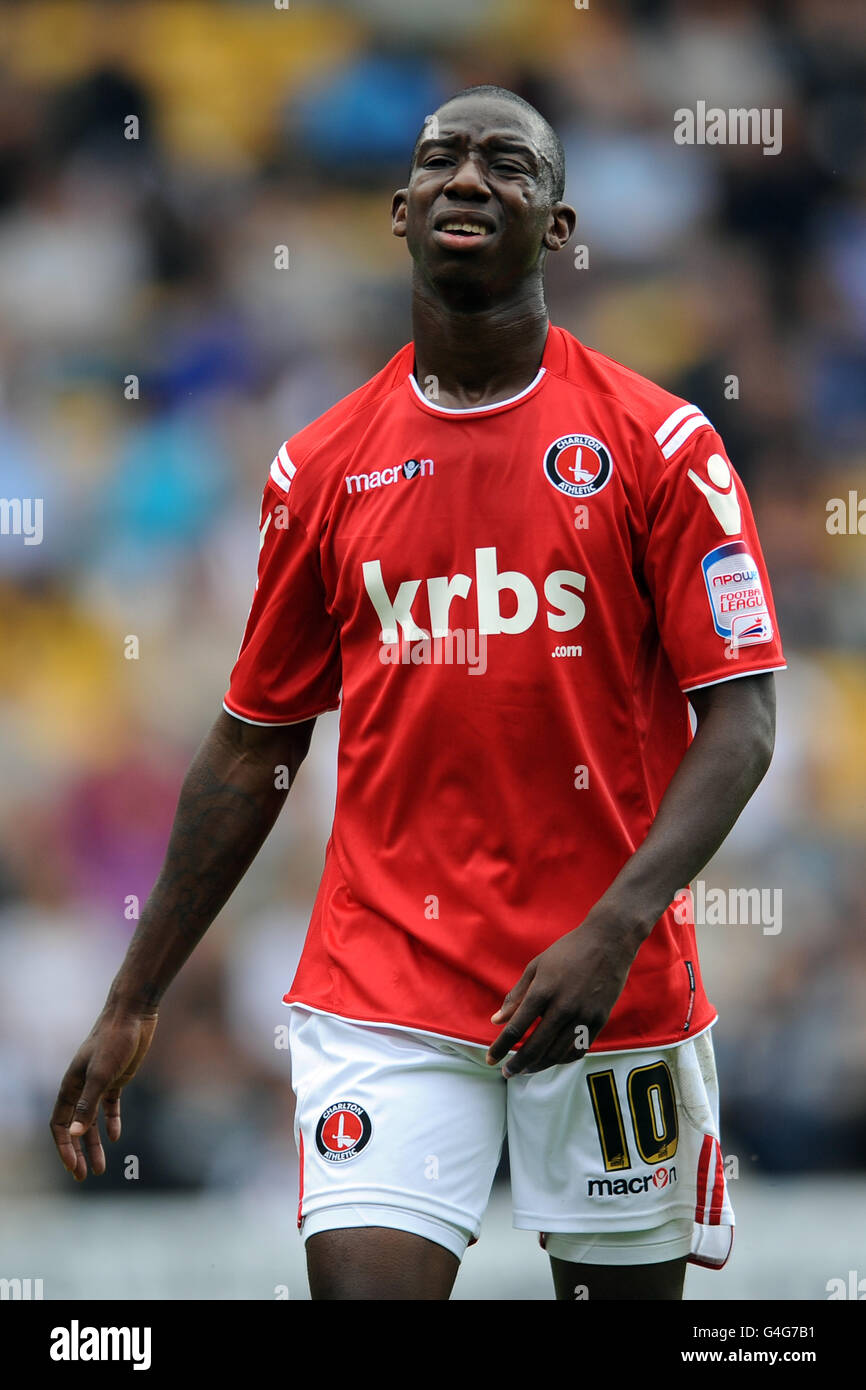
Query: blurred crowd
x=153 y=357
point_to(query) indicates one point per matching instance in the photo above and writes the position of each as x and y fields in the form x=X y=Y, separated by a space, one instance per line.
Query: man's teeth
x=464 y=227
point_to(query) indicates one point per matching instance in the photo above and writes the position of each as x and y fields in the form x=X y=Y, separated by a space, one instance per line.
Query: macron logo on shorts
x=627 y=1187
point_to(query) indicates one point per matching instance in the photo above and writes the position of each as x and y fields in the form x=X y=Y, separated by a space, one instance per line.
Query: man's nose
x=467 y=179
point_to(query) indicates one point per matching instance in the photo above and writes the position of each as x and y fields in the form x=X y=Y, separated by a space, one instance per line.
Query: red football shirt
x=514 y=599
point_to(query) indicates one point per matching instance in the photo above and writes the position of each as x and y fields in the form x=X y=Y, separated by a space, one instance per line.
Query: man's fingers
x=111 y=1111
x=102 y=1066
x=525 y=1016
x=514 y=995
x=95 y=1151
x=74 y=1120
x=77 y=1140
x=62 y=1115
x=551 y=1048
x=535 y=1048
x=80 y=1171
x=65 y=1146
x=87 y=1105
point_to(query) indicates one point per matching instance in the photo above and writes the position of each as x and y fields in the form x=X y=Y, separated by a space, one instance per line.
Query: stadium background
x=155 y=257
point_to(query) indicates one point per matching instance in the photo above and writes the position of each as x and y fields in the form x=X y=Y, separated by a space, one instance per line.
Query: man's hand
x=576 y=981
x=228 y=803
x=100 y=1069
x=571 y=987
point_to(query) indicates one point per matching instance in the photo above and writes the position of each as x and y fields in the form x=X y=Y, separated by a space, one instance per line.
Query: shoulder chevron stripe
x=678 y=427
x=283 y=470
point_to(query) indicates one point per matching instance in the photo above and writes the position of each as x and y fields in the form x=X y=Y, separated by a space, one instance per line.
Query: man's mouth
x=463 y=228
x=460 y=233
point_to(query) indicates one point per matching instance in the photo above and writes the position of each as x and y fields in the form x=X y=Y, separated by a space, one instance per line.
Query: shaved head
x=549 y=144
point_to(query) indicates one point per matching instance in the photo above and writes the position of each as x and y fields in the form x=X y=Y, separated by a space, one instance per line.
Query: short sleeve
x=288 y=668
x=705 y=569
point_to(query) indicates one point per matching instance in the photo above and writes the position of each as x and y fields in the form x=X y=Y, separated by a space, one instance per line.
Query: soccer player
x=520 y=562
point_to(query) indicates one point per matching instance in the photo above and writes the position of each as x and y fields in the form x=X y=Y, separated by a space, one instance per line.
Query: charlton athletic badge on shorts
x=578 y=465
x=343 y=1130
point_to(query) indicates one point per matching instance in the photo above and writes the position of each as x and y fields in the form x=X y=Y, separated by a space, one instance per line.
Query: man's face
x=478 y=209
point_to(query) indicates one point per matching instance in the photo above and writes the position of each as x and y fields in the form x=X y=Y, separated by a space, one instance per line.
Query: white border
x=449 y=1037
x=278 y=723
x=677 y=440
x=475 y=409
x=735 y=675
x=667 y=427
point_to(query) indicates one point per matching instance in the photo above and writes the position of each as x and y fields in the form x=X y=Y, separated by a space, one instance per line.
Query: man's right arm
x=228 y=803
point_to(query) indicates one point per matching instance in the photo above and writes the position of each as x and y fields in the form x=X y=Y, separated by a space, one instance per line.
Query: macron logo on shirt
x=412 y=468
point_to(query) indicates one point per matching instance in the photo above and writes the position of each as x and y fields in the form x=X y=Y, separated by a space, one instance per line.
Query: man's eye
x=507 y=167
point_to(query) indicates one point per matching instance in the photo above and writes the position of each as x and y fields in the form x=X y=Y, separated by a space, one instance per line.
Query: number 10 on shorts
x=653 y=1111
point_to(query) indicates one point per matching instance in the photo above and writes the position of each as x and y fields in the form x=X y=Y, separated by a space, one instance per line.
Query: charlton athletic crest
x=343 y=1131
x=578 y=465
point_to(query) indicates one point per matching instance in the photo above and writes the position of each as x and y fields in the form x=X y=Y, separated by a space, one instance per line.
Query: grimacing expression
x=479 y=209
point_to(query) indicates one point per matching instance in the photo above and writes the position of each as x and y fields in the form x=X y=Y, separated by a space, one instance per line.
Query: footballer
x=494 y=951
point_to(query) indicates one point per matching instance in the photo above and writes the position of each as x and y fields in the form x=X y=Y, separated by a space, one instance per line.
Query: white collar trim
x=475 y=409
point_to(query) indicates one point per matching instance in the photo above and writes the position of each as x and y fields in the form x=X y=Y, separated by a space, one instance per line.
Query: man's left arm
x=578 y=979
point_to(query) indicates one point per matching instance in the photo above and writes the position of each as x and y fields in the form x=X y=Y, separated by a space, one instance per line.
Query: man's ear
x=399 y=211
x=563 y=220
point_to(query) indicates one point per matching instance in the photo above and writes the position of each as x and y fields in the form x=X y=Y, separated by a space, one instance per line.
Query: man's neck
x=478 y=357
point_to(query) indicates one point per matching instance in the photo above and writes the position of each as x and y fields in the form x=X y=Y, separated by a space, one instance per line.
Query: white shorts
x=614 y=1158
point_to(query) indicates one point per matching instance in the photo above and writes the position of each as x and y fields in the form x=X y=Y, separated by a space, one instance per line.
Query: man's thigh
x=399 y=1136
x=379 y=1263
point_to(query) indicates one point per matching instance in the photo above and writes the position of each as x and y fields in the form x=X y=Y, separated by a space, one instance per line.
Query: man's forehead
x=488 y=121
